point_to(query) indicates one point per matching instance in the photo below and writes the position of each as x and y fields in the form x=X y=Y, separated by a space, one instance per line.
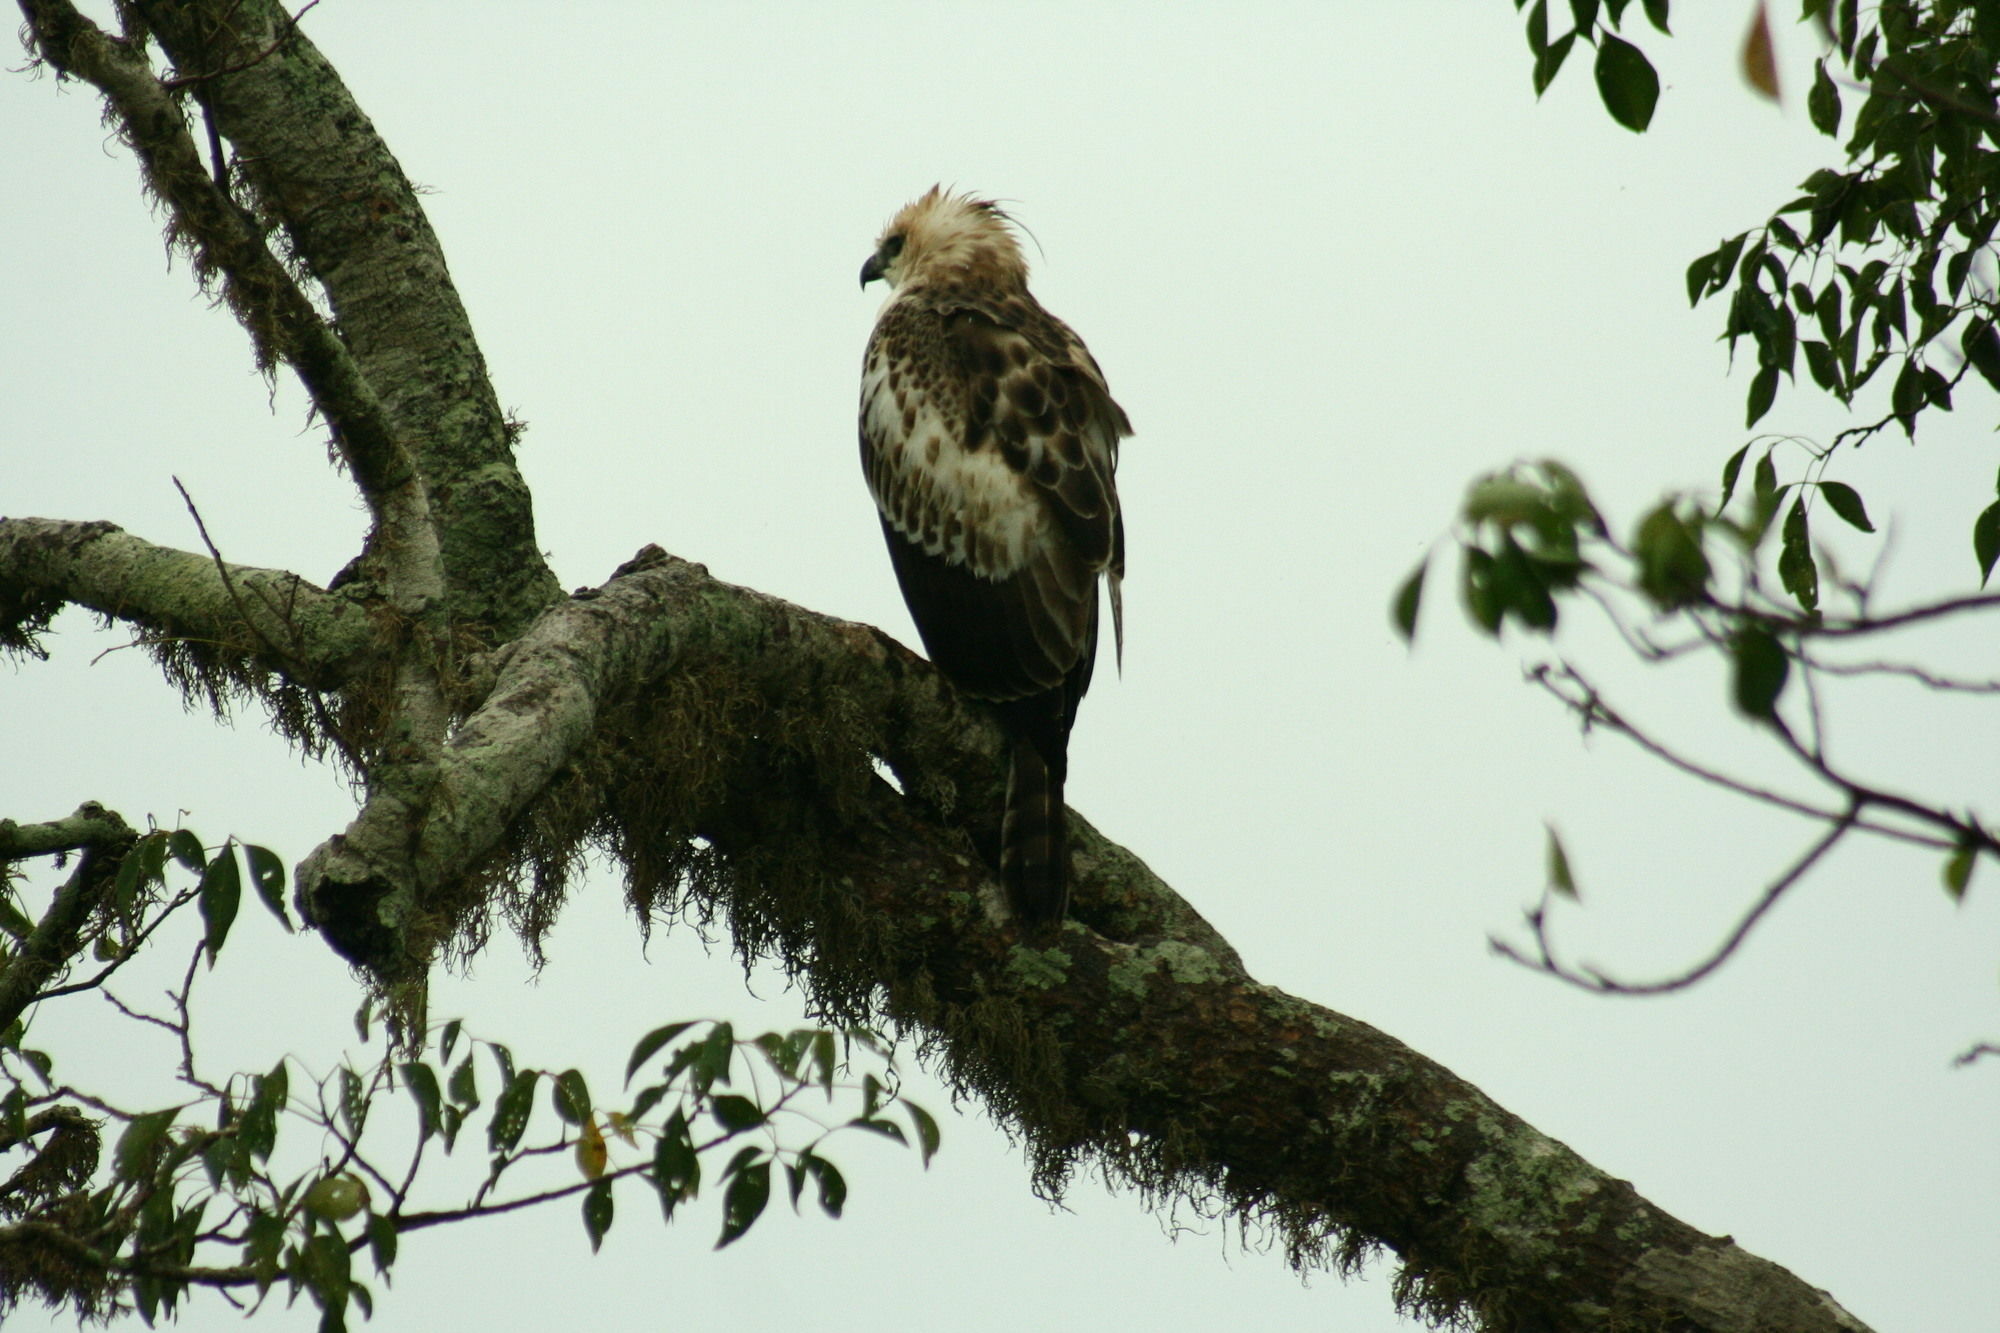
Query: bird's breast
x=966 y=504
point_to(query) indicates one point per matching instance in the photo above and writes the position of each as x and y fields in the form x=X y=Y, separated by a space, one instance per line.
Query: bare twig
x=1591 y=705
x=1594 y=979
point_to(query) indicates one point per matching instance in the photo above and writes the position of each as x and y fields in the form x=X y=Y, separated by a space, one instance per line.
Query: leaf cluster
x=1531 y=539
x=1626 y=80
x=202 y=1193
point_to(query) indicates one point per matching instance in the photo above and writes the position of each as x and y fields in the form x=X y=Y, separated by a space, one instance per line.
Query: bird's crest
x=942 y=235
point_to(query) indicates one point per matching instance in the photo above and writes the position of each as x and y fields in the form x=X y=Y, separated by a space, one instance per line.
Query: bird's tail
x=1034 y=839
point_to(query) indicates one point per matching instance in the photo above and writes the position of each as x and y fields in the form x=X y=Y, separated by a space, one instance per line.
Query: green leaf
x=1656 y=14
x=676 y=1165
x=133 y=1157
x=1550 y=62
x=1476 y=583
x=1730 y=472
x=1981 y=345
x=1538 y=27
x=712 y=1057
x=735 y=1113
x=1764 y=481
x=647 y=1099
x=1673 y=570
x=832 y=1185
x=926 y=1126
x=1823 y=102
x=570 y=1096
x=888 y=1129
x=1726 y=255
x=353 y=1101
x=1626 y=82
x=1521 y=590
x=1584 y=14
x=1823 y=364
x=1408 y=598
x=1845 y=501
x=503 y=1058
x=258 y=1128
x=1796 y=568
x=1561 y=881
x=823 y=1060
x=511 y=1110
x=1986 y=540
x=221 y=893
x=447 y=1040
x=464 y=1085
x=422 y=1081
x=1699 y=274
x=267 y=873
x=185 y=847
x=649 y=1045
x=1763 y=392
x=743 y=1204
x=597 y=1212
x=335 y=1198
x=382 y=1241
x=1958 y=872
x=1759 y=668
x=1956 y=270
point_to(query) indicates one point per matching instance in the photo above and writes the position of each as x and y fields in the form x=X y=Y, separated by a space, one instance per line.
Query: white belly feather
x=971 y=508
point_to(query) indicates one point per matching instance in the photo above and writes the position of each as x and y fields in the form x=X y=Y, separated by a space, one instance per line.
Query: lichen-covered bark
x=103 y=839
x=721 y=745
x=268 y=616
x=313 y=164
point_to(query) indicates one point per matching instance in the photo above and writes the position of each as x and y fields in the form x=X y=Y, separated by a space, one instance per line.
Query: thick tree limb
x=1139 y=1040
x=277 y=620
x=227 y=242
x=658 y=620
x=53 y=942
x=318 y=168
x=89 y=825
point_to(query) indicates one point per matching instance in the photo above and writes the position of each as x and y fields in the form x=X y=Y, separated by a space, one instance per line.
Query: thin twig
x=1594 y=979
x=1928 y=679
x=1595 y=710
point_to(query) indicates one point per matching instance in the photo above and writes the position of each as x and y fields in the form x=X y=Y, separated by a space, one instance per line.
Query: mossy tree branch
x=103 y=838
x=314 y=167
x=265 y=620
x=1138 y=1041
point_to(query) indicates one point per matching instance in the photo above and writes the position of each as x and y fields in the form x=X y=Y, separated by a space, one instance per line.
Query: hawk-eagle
x=990 y=444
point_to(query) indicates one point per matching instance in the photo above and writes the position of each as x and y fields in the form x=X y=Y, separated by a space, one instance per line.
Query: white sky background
x=1335 y=261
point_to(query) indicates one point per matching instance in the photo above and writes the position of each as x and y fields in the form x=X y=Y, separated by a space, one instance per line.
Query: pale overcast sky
x=1335 y=261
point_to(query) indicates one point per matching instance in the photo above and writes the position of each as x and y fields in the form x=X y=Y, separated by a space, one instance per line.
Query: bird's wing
x=990 y=443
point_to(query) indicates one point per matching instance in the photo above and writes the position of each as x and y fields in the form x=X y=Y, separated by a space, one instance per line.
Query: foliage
x=1884 y=266
x=219 y=1189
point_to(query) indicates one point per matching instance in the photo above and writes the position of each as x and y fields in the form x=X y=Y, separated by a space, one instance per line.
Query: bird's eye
x=892 y=246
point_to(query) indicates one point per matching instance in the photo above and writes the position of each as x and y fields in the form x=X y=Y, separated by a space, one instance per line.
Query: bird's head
x=942 y=234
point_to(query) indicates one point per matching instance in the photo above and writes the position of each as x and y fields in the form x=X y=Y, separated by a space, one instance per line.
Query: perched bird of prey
x=990 y=444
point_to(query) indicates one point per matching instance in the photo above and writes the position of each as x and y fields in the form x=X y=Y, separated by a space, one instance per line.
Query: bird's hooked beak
x=872 y=269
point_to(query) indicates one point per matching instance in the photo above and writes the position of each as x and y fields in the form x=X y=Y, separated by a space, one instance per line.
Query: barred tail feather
x=1034 y=839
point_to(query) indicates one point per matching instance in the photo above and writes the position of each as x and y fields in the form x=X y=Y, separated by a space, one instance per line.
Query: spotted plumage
x=990 y=444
